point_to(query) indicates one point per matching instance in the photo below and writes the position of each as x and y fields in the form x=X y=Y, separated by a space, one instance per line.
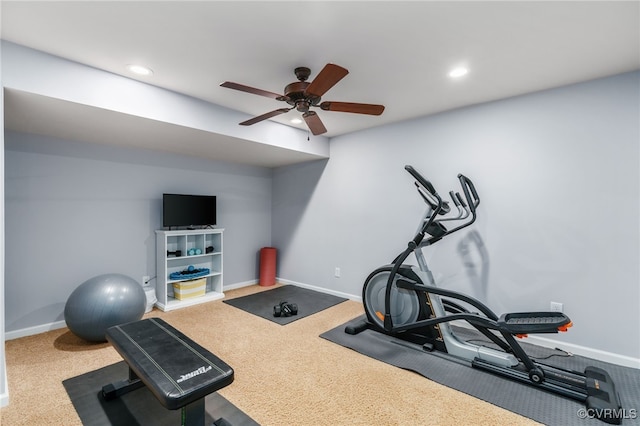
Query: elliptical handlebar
x=459 y=197
x=430 y=195
x=425 y=183
x=470 y=192
x=455 y=198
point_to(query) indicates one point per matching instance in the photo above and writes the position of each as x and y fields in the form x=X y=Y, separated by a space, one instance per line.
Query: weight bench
x=178 y=371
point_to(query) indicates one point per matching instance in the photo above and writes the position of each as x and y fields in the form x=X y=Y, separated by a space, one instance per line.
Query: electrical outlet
x=145 y=279
x=556 y=307
x=337 y=272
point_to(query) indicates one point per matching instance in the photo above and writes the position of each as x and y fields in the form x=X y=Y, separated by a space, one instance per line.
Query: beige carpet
x=283 y=374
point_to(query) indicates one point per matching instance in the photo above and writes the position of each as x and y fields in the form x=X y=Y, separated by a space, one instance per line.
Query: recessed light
x=139 y=69
x=458 y=72
x=296 y=121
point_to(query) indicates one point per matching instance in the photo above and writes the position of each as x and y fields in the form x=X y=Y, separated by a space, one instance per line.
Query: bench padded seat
x=176 y=370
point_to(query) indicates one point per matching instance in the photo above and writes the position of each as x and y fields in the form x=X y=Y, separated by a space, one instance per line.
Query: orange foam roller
x=267 y=266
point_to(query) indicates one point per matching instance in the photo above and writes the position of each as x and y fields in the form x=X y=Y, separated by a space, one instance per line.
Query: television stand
x=199 y=248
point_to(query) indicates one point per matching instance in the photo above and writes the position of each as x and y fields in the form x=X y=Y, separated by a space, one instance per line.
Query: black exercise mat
x=541 y=406
x=309 y=302
x=138 y=407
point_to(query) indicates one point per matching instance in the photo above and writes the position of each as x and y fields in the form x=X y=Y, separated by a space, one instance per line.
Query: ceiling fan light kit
x=302 y=95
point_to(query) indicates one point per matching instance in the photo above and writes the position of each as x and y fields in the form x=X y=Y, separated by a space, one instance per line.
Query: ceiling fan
x=302 y=95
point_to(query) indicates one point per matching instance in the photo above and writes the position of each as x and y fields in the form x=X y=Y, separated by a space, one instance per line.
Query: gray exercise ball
x=102 y=302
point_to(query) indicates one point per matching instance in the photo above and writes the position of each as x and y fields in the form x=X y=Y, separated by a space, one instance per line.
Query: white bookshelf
x=185 y=240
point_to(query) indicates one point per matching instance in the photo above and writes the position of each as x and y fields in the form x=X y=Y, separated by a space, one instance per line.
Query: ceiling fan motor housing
x=296 y=96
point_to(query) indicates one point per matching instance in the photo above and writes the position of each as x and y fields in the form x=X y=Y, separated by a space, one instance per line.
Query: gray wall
x=75 y=210
x=558 y=176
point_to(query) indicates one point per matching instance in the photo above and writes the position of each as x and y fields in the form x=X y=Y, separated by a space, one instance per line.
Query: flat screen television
x=190 y=211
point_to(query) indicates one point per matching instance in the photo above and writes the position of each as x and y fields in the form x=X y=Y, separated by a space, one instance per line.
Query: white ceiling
x=398 y=53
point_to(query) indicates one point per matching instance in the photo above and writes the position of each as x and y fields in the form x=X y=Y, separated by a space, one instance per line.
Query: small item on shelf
x=176 y=253
x=189 y=289
x=209 y=249
x=189 y=273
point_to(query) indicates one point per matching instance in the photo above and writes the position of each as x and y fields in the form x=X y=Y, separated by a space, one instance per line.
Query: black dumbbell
x=285 y=309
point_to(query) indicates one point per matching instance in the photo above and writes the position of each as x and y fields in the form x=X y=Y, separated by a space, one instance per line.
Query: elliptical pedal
x=534 y=322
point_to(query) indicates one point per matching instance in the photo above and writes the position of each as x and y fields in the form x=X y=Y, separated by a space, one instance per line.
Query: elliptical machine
x=403 y=301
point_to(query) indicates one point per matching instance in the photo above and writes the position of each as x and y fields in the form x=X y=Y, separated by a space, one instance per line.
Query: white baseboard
x=321 y=290
x=600 y=355
x=239 y=285
x=30 y=331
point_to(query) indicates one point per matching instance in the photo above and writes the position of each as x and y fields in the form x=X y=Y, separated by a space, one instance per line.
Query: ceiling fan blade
x=326 y=79
x=266 y=116
x=243 y=88
x=315 y=124
x=355 y=108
